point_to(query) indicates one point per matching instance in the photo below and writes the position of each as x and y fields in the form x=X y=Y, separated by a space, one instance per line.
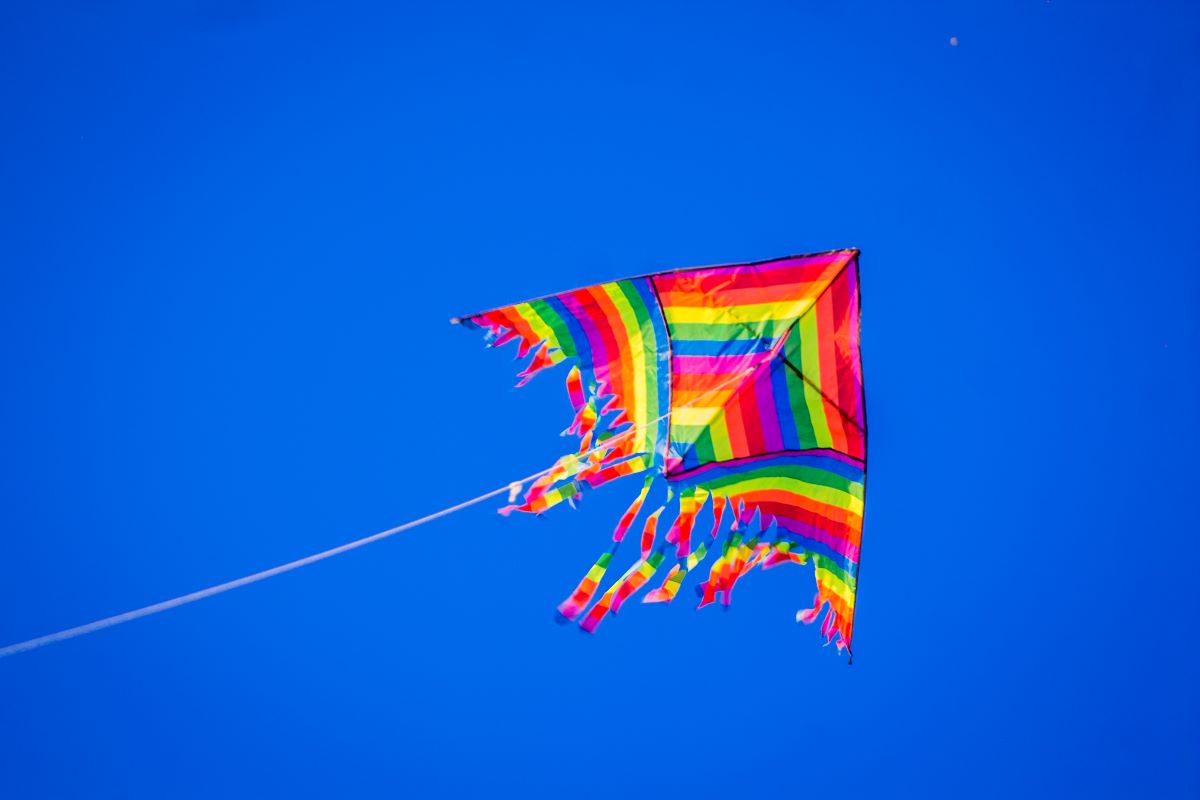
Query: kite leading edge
x=740 y=384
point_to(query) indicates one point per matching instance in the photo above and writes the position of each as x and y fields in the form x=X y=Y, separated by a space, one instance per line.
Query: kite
x=738 y=384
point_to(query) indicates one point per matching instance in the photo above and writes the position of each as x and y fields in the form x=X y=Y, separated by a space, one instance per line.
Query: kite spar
x=738 y=383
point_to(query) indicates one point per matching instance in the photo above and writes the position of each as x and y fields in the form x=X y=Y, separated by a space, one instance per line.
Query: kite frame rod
x=854 y=250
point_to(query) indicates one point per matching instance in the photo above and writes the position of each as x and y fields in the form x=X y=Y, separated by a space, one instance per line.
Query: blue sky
x=233 y=234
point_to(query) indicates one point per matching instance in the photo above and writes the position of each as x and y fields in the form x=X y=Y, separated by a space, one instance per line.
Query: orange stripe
x=515 y=321
x=702 y=381
x=843 y=522
x=843 y=610
x=789 y=497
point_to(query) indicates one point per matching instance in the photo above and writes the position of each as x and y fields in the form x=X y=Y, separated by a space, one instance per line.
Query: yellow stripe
x=832 y=583
x=720 y=437
x=539 y=327
x=698 y=416
x=751 y=313
x=637 y=406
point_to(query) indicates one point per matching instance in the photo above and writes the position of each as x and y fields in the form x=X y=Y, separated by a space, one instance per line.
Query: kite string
x=237 y=583
x=145 y=611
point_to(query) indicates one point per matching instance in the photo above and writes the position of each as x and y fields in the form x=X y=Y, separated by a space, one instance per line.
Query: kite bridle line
x=237 y=583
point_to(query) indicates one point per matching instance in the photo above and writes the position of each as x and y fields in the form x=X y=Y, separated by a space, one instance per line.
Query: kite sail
x=737 y=384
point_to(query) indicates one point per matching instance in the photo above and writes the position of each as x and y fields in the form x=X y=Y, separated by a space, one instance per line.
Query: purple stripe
x=855 y=362
x=812 y=532
x=767 y=414
x=717 y=365
x=737 y=462
x=600 y=358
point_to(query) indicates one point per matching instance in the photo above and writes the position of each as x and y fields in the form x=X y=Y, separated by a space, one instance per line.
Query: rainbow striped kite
x=740 y=384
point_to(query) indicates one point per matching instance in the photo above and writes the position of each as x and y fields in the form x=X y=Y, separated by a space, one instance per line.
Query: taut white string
x=220 y=588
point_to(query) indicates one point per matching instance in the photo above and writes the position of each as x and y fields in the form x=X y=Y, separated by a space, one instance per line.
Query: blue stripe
x=787 y=421
x=820 y=549
x=829 y=464
x=578 y=346
x=579 y=341
x=722 y=347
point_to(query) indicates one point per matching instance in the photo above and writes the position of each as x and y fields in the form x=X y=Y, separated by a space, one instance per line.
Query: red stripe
x=735 y=425
x=748 y=400
x=509 y=318
x=623 y=376
x=596 y=322
x=760 y=277
x=826 y=331
x=833 y=520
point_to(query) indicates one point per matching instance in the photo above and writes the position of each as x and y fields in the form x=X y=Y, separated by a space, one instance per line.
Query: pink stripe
x=770 y=266
x=855 y=362
x=717 y=365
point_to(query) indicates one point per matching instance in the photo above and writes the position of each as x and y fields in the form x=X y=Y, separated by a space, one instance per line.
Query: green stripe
x=562 y=334
x=813 y=476
x=701 y=443
x=825 y=564
x=810 y=366
x=718 y=332
x=796 y=400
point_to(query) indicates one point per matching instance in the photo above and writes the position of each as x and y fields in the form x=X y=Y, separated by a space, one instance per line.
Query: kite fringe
x=601 y=423
x=605 y=453
x=570 y=608
x=749 y=542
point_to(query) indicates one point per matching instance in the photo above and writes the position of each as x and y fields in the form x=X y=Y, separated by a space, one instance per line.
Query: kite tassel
x=719 y=503
x=575 y=387
x=624 y=588
x=545 y=356
x=631 y=513
x=631 y=585
x=828 y=627
x=809 y=615
x=649 y=530
x=573 y=606
x=670 y=586
x=503 y=339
